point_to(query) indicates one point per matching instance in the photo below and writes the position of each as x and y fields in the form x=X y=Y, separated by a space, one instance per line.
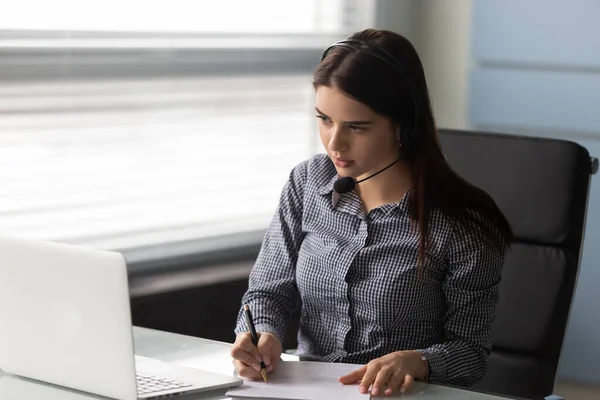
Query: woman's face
x=358 y=141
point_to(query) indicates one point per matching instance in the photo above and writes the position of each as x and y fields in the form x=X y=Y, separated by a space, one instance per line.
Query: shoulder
x=313 y=172
x=476 y=235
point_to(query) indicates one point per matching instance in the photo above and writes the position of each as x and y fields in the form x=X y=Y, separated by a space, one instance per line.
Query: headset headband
x=371 y=49
x=392 y=61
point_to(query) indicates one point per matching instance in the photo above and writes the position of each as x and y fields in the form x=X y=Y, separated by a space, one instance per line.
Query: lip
x=342 y=163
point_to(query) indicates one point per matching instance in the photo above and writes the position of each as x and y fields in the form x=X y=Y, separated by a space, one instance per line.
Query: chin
x=345 y=171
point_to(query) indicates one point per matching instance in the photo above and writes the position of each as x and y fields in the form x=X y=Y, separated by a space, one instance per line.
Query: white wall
x=440 y=31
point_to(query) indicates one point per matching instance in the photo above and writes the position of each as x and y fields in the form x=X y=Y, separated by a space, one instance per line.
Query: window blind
x=125 y=164
x=181 y=23
x=143 y=161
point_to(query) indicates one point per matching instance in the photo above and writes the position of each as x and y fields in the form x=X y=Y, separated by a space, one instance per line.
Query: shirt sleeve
x=272 y=292
x=471 y=290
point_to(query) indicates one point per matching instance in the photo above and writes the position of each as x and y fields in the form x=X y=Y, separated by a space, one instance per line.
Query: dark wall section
x=205 y=311
x=201 y=310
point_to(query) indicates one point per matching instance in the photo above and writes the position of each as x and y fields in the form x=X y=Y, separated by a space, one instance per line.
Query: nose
x=337 y=142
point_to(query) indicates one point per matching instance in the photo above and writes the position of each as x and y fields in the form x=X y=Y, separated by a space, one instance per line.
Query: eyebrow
x=346 y=122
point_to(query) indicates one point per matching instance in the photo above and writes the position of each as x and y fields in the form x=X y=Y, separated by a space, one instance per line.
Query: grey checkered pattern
x=357 y=280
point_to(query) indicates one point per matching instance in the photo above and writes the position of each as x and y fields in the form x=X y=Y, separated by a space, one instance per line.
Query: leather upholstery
x=542 y=187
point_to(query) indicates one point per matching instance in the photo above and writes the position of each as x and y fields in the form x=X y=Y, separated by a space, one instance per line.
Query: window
x=139 y=125
x=188 y=16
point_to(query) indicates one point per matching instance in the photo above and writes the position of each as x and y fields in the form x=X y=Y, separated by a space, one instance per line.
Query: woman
x=399 y=271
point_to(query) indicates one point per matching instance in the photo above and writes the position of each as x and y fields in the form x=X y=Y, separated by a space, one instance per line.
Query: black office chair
x=542 y=187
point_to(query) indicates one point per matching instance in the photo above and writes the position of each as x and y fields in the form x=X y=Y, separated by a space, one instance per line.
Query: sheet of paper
x=302 y=380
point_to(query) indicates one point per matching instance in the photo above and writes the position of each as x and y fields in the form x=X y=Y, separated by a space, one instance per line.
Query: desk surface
x=204 y=354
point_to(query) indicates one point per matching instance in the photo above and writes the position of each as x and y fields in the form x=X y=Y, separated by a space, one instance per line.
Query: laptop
x=65 y=319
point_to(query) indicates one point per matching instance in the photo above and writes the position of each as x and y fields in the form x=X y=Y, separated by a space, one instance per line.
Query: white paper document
x=302 y=380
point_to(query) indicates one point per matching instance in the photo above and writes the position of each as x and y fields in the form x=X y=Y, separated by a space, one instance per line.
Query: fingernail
x=375 y=391
x=270 y=368
x=256 y=367
x=363 y=389
x=388 y=392
x=267 y=361
x=403 y=390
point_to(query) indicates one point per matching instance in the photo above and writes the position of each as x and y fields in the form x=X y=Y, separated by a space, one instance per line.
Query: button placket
x=343 y=306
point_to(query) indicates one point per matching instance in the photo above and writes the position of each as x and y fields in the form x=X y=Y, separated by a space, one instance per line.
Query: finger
x=274 y=358
x=394 y=383
x=382 y=378
x=369 y=377
x=239 y=354
x=256 y=354
x=353 y=376
x=266 y=345
x=245 y=371
x=242 y=339
x=244 y=342
x=250 y=348
x=408 y=384
x=250 y=374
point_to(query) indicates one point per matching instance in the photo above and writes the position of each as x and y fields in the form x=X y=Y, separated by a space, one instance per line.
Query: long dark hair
x=434 y=184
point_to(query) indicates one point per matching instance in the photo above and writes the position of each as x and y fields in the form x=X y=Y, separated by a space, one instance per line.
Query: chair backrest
x=542 y=187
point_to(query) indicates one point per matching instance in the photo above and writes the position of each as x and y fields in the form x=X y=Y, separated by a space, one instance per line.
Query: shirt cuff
x=242 y=327
x=271 y=329
x=436 y=364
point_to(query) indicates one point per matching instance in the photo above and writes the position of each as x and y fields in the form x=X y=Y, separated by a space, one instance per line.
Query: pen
x=263 y=368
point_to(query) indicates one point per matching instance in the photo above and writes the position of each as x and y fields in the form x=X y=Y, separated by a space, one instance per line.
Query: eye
x=355 y=128
x=324 y=119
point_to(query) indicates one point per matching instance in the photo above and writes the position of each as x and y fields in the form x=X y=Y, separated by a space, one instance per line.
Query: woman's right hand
x=246 y=356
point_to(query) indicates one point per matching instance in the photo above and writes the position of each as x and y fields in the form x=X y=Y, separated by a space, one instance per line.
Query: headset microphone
x=347 y=183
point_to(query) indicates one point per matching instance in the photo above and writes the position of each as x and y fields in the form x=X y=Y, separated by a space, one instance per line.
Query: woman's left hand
x=396 y=370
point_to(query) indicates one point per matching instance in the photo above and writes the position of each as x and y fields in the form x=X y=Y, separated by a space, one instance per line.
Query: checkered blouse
x=355 y=276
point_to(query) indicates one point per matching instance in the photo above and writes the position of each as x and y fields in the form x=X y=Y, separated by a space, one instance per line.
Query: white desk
x=192 y=352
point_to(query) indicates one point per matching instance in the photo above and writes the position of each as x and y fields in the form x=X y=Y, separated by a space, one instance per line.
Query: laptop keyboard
x=150 y=384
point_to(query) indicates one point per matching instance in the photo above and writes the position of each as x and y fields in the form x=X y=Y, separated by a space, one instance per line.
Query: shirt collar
x=327 y=190
x=327 y=187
